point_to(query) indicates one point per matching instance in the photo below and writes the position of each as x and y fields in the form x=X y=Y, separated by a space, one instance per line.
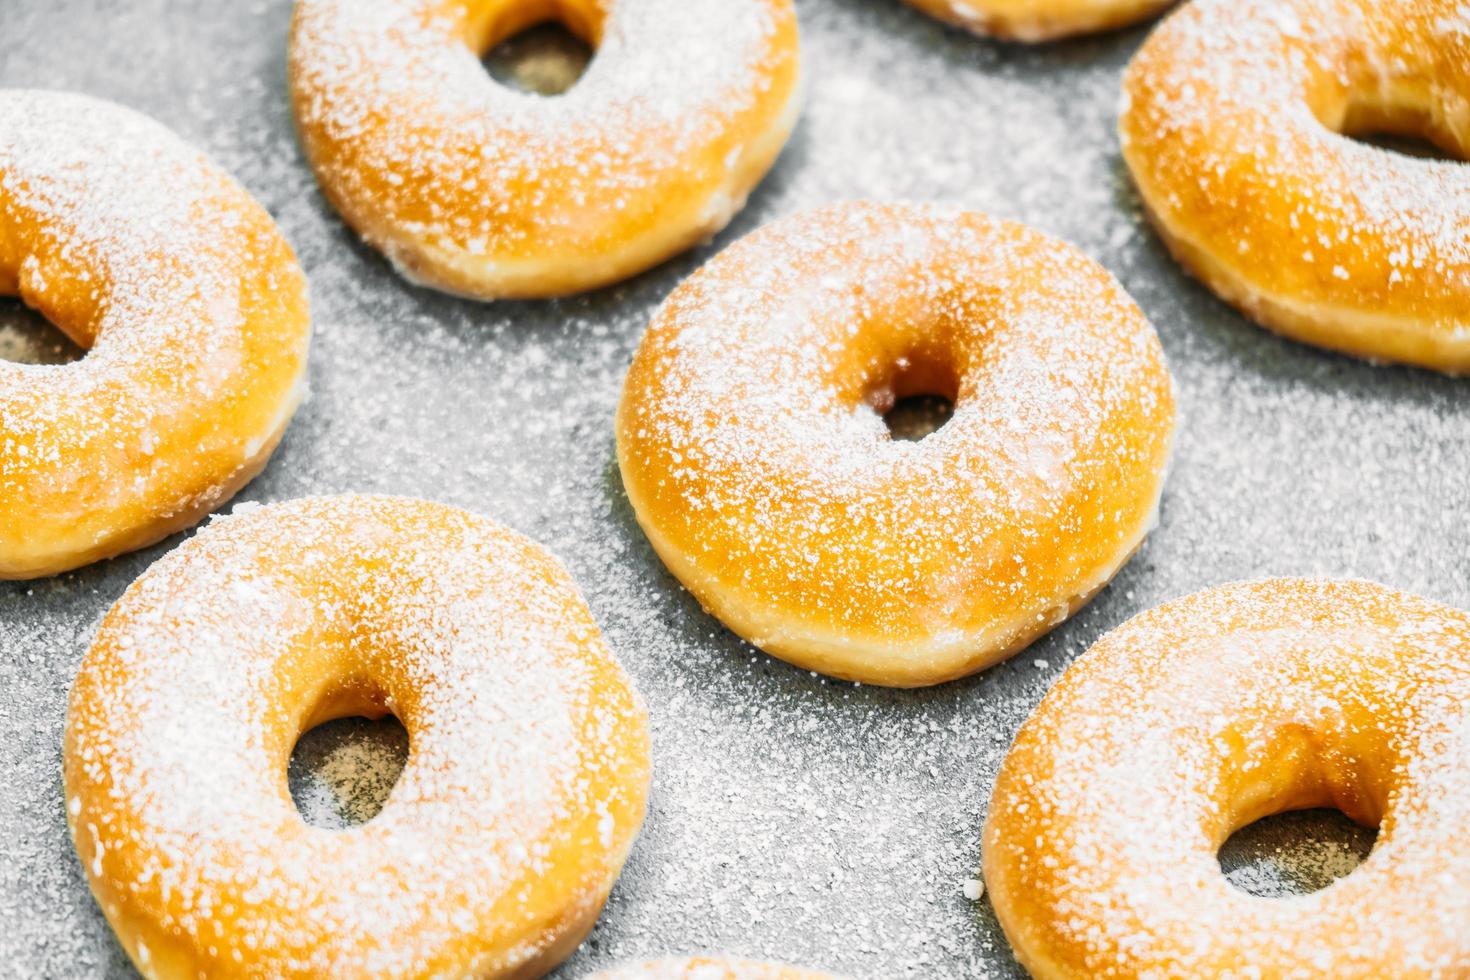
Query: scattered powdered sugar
x=516 y=713
x=342 y=772
x=1207 y=712
x=1295 y=852
x=710 y=968
x=792 y=818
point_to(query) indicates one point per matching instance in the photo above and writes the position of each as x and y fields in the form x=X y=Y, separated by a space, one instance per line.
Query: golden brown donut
x=1206 y=714
x=474 y=188
x=1040 y=20
x=754 y=458
x=1233 y=122
x=194 y=314
x=523 y=791
x=710 y=968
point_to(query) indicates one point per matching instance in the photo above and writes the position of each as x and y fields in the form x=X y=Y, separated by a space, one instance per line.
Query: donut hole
x=1294 y=853
x=540 y=47
x=913 y=418
x=1303 y=808
x=27 y=337
x=915 y=396
x=1405 y=125
x=342 y=771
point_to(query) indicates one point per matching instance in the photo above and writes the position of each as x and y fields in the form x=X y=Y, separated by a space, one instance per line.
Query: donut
x=1236 y=126
x=524 y=787
x=710 y=968
x=193 y=312
x=477 y=189
x=753 y=452
x=1206 y=714
x=1039 y=20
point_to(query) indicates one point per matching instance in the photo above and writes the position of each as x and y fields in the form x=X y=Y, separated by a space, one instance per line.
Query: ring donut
x=710 y=968
x=193 y=312
x=523 y=791
x=474 y=188
x=753 y=452
x=1040 y=20
x=1233 y=127
x=1206 y=714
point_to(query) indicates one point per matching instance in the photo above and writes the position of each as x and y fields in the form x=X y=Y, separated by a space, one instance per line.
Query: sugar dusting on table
x=792 y=818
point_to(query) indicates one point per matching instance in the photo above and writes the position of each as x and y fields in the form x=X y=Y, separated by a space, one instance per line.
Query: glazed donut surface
x=710 y=968
x=1206 y=714
x=523 y=791
x=754 y=458
x=194 y=314
x=1040 y=20
x=1232 y=123
x=475 y=188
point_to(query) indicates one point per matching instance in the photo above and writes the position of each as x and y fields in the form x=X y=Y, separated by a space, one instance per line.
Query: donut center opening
x=342 y=771
x=546 y=58
x=27 y=337
x=915 y=398
x=1400 y=124
x=1294 y=853
x=913 y=418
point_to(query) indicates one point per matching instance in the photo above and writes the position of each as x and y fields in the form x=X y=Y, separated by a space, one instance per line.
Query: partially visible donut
x=710 y=968
x=192 y=308
x=1233 y=127
x=525 y=782
x=1206 y=714
x=474 y=188
x=752 y=448
x=1040 y=20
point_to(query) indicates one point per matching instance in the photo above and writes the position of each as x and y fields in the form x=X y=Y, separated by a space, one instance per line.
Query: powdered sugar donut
x=192 y=307
x=754 y=459
x=710 y=968
x=474 y=188
x=1232 y=128
x=1206 y=714
x=1040 y=20
x=523 y=791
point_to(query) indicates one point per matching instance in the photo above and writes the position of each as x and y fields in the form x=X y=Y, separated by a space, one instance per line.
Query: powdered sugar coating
x=523 y=790
x=1232 y=125
x=753 y=454
x=792 y=818
x=1203 y=715
x=480 y=189
x=193 y=308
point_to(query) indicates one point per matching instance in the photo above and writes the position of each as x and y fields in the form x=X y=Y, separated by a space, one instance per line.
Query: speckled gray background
x=791 y=817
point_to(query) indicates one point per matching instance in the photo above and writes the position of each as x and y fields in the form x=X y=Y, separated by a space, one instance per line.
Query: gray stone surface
x=791 y=817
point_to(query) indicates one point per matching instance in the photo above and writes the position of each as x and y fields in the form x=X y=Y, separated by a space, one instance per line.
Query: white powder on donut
x=1129 y=743
x=1066 y=397
x=1233 y=83
x=378 y=75
x=482 y=643
x=793 y=818
x=122 y=201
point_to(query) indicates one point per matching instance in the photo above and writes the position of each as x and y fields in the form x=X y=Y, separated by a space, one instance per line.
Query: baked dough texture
x=1201 y=716
x=1040 y=20
x=525 y=783
x=752 y=446
x=472 y=187
x=193 y=312
x=1233 y=123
